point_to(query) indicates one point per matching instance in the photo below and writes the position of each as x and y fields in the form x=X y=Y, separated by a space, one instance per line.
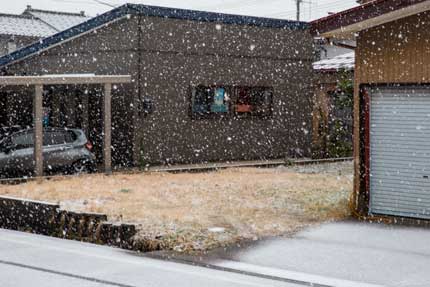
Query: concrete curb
x=49 y=219
x=243 y=164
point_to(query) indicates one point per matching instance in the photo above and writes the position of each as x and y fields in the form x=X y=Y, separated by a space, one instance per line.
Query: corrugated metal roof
x=58 y=20
x=154 y=11
x=341 y=62
x=24 y=26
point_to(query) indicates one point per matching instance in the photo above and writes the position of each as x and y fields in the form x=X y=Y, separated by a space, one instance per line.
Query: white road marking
x=292 y=275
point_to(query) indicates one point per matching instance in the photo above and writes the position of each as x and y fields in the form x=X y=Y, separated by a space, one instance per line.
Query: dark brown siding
x=173 y=55
x=178 y=54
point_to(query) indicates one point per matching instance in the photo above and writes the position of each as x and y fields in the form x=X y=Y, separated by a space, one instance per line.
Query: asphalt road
x=345 y=254
x=339 y=254
x=32 y=260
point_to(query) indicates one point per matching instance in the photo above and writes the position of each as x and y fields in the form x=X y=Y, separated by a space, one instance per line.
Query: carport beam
x=107 y=138
x=38 y=130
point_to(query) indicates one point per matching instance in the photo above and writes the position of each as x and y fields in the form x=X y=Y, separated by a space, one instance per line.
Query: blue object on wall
x=218 y=106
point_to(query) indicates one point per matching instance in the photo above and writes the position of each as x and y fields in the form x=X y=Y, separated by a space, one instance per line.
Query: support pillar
x=107 y=128
x=38 y=130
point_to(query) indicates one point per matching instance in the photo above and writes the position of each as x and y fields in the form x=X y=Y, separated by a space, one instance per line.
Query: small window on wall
x=239 y=101
x=209 y=101
x=253 y=101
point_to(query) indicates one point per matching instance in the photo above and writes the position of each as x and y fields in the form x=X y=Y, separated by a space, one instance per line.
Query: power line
x=105 y=3
x=243 y=5
x=332 y=5
x=91 y=2
x=235 y=4
x=325 y=6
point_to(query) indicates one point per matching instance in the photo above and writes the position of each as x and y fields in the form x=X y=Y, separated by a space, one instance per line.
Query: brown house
x=391 y=104
x=332 y=115
x=206 y=86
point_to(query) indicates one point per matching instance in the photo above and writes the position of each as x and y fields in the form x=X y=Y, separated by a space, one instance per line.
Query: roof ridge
x=29 y=10
x=17 y=16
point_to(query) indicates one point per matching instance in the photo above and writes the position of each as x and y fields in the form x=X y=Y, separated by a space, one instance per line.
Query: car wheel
x=81 y=167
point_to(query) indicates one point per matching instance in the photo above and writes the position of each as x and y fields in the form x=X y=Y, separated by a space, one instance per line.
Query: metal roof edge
x=145 y=10
x=204 y=16
x=360 y=14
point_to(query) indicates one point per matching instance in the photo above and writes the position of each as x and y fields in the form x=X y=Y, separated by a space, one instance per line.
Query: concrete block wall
x=49 y=219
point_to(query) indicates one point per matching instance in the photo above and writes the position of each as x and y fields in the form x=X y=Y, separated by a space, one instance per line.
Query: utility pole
x=298 y=3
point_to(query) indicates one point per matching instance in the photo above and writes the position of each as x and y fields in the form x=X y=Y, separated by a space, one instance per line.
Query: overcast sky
x=311 y=9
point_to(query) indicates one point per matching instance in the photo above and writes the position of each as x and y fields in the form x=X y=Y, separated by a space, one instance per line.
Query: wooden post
x=85 y=119
x=107 y=131
x=38 y=130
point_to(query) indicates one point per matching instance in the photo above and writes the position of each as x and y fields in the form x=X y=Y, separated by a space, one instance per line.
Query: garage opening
x=400 y=151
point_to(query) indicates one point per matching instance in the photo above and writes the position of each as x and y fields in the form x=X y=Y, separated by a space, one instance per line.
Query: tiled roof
x=341 y=62
x=151 y=11
x=58 y=20
x=24 y=26
x=39 y=23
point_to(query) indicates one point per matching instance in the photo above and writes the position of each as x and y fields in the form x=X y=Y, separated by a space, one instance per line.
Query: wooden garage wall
x=396 y=52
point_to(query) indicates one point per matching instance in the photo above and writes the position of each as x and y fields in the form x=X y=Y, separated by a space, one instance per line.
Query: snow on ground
x=199 y=211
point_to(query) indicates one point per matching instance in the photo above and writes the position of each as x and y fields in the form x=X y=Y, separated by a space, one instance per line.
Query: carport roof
x=145 y=10
x=66 y=79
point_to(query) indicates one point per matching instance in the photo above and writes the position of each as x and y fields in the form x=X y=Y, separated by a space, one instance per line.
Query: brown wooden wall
x=396 y=52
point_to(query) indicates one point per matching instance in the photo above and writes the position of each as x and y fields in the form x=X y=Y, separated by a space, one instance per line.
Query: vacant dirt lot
x=198 y=211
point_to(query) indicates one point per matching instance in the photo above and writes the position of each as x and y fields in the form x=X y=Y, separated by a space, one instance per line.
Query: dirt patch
x=198 y=211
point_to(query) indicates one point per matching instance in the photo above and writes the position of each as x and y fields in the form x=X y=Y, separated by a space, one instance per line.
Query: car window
x=23 y=140
x=70 y=137
x=54 y=138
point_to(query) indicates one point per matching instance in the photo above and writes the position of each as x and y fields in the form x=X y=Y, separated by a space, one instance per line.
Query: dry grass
x=178 y=211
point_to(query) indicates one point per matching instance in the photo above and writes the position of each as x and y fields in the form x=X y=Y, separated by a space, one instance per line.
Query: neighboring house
x=17 y=31
x=330 y=48
x=206 y=86
x=391 y=104
x=58 y=20
x=332 y=116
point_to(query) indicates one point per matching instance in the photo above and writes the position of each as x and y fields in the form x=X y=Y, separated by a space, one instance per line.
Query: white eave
x=349 y=32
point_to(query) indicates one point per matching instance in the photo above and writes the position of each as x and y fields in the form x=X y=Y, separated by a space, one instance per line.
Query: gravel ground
x=189 y=212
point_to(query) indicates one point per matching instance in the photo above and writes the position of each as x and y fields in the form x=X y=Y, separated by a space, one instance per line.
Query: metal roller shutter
x=400 y=152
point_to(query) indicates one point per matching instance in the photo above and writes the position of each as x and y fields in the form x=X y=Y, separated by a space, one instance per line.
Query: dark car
x=66 y=150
